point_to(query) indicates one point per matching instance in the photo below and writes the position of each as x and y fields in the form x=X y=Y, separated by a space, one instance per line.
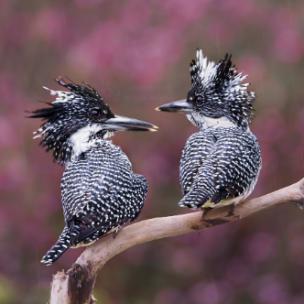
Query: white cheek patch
x=108 y=135
x=222 y=122
x=80 y=140
x=209 y=122
x=195 y=119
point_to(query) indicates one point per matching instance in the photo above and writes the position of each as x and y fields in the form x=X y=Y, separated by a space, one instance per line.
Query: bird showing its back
x=220 y=163
x=99 y=190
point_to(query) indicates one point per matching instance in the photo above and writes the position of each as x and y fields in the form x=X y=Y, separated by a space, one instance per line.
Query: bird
x=100 y=193
x=220 y=163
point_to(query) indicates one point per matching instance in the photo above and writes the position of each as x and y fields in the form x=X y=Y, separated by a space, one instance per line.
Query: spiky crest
x=222 y=83
x=70 y=111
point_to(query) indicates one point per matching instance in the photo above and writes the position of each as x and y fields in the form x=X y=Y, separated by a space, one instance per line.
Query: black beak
x=121 y=123
x=176 y=106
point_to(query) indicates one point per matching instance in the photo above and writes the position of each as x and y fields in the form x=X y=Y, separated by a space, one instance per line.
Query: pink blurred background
x=136 y=53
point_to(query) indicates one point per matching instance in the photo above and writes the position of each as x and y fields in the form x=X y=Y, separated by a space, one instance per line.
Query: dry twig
x=75 y=286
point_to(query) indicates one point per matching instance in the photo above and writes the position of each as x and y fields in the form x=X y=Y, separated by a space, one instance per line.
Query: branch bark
x=75 y=286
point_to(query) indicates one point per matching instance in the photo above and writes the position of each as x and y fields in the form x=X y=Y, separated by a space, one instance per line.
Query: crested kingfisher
x=220 y=163
x=99 y=190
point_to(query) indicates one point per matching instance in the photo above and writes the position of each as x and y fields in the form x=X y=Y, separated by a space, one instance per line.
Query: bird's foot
x=116 y=230
x=231 y=209
x=205 y=212
x=300 y=205
x=228 y=217
x=211 y=222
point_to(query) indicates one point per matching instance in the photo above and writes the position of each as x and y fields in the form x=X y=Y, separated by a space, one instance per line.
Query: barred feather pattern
x=219 y=164
x=100 y=193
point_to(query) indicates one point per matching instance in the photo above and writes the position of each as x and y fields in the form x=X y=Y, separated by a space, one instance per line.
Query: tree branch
x=75 y=286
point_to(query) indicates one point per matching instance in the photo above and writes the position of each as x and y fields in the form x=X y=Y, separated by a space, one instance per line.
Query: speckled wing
x=197 y=149
x=227 y=167
x=100 y=192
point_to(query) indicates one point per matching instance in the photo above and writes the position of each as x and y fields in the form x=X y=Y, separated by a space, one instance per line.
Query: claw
x=116 y=230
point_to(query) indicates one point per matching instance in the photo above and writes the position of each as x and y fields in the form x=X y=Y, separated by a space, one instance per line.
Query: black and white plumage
x=99 y=190
x=220 y=163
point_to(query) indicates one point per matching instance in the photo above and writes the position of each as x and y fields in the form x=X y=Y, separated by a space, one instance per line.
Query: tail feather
x=193 y=199
x=63 y=243
x=201 y=191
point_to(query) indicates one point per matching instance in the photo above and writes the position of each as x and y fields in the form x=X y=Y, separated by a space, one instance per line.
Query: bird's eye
x=199 y=100
x=95 y=112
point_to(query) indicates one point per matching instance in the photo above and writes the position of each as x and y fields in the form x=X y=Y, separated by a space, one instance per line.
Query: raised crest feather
x=201 y=69
x=67 y=113
x=220 y=85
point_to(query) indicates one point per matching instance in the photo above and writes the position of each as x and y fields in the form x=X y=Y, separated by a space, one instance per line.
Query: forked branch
x=75 y=286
